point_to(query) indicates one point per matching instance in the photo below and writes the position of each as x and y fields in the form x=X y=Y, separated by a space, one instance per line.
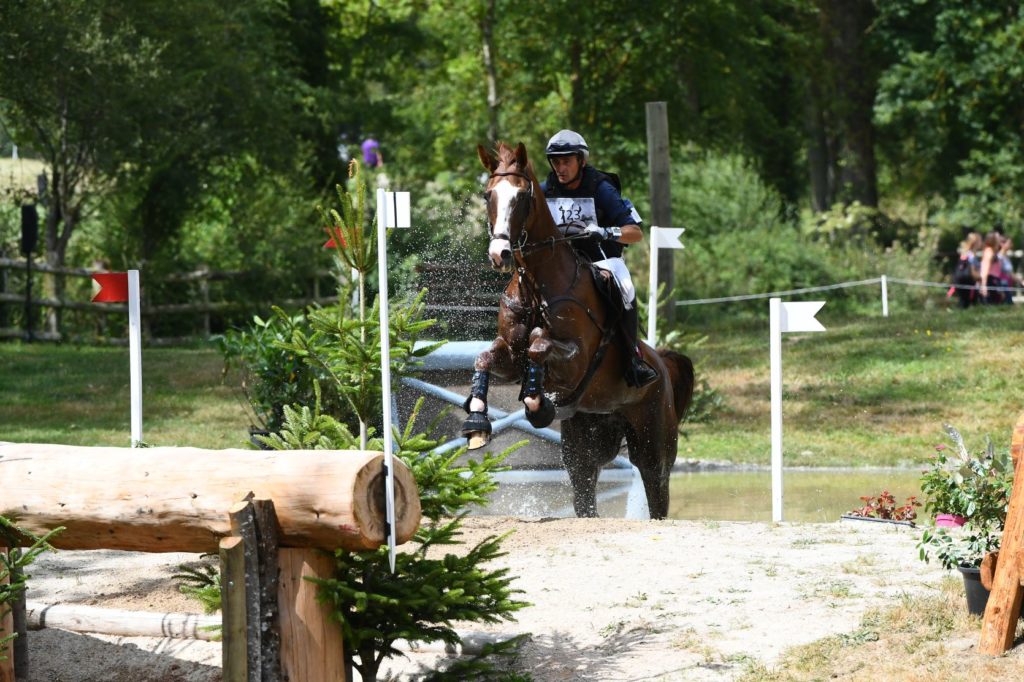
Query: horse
x=555 y=337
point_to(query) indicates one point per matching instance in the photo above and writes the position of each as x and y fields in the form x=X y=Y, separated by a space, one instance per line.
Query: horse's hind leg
x=652 y=450
x=589 y=441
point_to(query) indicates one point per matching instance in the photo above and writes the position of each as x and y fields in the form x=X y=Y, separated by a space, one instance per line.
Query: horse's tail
x=680 y=371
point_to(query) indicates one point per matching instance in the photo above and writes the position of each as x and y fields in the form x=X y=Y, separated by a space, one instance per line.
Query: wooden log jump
x=178 y=499
x=269 y=514
x=1006 y=593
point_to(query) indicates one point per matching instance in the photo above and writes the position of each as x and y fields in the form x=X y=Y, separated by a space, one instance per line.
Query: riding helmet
x=567 y=142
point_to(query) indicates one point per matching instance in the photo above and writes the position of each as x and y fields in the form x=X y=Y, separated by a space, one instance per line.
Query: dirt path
x=611 y=599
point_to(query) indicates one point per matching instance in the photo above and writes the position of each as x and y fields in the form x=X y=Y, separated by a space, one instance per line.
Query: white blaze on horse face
x=505 y=193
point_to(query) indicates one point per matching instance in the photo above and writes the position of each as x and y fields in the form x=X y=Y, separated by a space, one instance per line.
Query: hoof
x=544 y=415
x=477 y=430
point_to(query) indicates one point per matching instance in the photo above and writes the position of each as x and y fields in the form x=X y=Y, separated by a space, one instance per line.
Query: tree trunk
x=845 y=24
x=490 y=57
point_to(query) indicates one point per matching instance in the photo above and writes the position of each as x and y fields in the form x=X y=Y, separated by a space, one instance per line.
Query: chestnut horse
x=557 y=337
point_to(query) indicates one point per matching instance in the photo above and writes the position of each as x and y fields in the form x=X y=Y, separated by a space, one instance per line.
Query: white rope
x=749 y=297
x=841 y=285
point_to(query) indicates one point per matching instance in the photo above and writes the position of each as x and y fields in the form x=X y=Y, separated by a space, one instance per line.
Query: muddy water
x=816 y=495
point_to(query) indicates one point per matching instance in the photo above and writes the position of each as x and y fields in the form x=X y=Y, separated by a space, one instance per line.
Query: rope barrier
x=840 y=285
x=774 y=294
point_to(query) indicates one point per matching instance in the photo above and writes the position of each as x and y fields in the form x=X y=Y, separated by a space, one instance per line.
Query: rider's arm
x=618 y=214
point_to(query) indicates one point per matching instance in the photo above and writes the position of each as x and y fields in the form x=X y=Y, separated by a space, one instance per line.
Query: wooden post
x=204 y=292
x=267 y=536
x=6 y=628
x=661 y=196
x=243 y=525
x=19 y=617
x=311 y=643
x=234 y=658
x=1004 y=601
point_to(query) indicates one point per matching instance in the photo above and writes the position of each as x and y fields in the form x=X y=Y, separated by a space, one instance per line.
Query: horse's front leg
x=497 y=359
x=540 y=411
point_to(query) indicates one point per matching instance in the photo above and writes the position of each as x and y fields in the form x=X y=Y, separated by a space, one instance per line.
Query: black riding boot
x=638 y=372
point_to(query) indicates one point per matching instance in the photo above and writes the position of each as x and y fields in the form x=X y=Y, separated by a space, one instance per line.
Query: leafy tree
x=950 y=105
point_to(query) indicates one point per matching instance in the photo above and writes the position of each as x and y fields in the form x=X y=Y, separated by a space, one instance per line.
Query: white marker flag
x=784 y=317
x=799 y=316
x=661 y=238
x=396 y=209
x=668 y=237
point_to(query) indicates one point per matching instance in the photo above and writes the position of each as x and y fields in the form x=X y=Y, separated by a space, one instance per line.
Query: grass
x=79 y=395
x=871 y=391
x=922 y=637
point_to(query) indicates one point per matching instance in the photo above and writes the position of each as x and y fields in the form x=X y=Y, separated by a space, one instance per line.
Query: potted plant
x=977 y=487
x=883 y=508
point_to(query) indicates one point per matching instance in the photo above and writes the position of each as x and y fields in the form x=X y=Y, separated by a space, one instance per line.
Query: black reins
x=522 y=245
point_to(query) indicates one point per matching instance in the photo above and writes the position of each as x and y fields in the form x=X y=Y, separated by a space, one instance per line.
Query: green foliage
x=348 y=351
x=976 y=487
x=271 y=377
x=429 y=591
x=13 y=580
x=201 y=582
x=716 y=193
x=948 y=105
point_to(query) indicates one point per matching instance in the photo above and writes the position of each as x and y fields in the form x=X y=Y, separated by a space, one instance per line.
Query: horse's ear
x=521 y=155
x=489 y=162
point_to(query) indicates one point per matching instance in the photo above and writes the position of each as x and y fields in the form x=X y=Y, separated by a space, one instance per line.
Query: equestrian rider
x=584 y=200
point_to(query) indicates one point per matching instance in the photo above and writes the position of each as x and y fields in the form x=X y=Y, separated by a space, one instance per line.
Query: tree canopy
x=170 y=119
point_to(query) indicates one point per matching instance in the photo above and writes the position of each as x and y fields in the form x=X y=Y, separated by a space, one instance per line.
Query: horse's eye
x=487 y=195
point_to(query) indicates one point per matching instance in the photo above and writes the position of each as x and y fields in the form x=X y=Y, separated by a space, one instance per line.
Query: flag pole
x=385 y=373
x=135 y=355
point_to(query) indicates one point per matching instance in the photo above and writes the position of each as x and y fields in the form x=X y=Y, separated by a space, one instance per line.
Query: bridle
x=522 y=245
x=523 y=235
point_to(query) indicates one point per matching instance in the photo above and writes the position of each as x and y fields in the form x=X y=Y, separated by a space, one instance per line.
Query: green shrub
x=13 y=580
x=428 y=591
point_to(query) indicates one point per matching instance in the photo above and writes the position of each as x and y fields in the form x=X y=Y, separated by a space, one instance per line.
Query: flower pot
x=949 y=521
x=977 y=595
x=871 y=519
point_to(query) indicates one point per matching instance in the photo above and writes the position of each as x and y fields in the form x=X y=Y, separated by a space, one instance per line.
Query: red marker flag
x=335 y=237
x=113 y=287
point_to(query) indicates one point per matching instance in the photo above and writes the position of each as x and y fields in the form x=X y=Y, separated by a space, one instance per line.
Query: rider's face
x=566 y=167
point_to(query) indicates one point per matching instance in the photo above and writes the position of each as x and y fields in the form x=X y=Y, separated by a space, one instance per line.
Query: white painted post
x=775 y=354
x=667 y=237
x=784 y=317
x=392 y=211
x=885 y=296
x=652 y=297
x=135 y=355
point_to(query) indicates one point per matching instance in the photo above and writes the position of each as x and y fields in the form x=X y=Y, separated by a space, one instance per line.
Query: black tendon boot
x=638 y=372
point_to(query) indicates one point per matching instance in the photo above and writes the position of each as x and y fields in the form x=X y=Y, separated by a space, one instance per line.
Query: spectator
x=989 y=280
x=371 y=153
x=1009 y=278
x=967 y=271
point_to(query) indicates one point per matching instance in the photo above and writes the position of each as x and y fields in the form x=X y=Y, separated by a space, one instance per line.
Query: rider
x=582 y=200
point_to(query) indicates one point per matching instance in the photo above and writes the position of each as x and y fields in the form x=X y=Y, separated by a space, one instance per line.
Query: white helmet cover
x=567 y=142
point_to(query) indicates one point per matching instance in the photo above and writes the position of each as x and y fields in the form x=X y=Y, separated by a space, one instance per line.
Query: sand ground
x=610 y=599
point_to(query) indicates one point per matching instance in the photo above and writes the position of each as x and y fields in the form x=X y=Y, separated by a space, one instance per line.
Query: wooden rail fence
x=206 y=311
